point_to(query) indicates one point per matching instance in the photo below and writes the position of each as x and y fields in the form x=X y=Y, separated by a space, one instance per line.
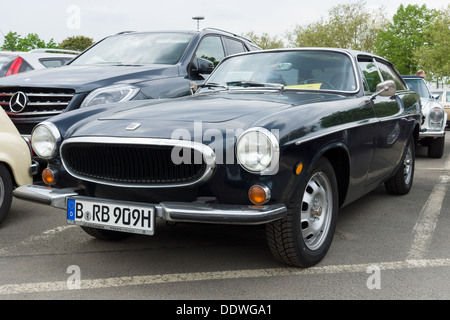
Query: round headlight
x=257 y=149
x=45 y=140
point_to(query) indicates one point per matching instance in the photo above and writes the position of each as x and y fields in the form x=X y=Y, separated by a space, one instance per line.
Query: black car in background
x=280 y=138
x=121 y=67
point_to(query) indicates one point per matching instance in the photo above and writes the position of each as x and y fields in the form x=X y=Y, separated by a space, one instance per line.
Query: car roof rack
x=50 y=50
x=229 y=32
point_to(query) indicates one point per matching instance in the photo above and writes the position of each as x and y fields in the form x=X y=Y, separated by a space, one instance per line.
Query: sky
x=96 y=19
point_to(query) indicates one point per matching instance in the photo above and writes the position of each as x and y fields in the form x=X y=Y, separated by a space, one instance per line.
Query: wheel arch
x=11 y=173
x=337 y=154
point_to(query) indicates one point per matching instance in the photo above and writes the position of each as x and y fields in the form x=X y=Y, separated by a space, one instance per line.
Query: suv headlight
x=45 y=140
x=111 y=94
x=258 y=151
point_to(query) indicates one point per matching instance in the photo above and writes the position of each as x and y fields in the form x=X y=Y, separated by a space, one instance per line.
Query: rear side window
x=53 y=62
x=234 y=46
x=371 y=75
x=389 y=74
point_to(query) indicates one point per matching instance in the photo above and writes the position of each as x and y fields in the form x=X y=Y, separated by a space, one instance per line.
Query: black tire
x=6 y=189
x=303 y=237
x=402 y=180
x=436 y=147
x=105 y=234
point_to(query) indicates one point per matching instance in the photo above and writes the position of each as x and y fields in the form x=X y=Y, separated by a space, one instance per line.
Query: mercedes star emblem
x=18 y=102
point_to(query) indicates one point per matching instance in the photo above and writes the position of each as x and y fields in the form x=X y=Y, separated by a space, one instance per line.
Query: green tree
x=404 y=36
x=78 y=43
x=433 y=55
x=265 y=41
x=350 y=26
x=15 y=42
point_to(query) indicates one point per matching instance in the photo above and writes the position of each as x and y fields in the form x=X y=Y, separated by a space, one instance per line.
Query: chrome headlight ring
x=45 y=140
x=258 y=150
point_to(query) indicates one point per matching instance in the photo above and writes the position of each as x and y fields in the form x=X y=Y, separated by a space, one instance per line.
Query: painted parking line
x=220 y=275
x=45 y=235
x=428 y=217
x=427 y=221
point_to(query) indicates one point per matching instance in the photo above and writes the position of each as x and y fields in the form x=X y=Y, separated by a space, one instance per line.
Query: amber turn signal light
x=48 y=176
x=299 y=168
x=259 y=194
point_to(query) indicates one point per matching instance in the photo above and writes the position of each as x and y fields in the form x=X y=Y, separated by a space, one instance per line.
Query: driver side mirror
x=203 y=66
x=387 y=88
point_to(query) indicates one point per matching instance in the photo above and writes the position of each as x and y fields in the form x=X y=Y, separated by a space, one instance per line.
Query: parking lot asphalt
x=385 y=248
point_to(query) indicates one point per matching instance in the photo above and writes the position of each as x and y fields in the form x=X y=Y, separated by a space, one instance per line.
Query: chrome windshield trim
x=209 y=158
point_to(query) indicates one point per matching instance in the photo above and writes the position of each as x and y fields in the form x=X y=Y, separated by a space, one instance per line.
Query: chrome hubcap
x=316 y=211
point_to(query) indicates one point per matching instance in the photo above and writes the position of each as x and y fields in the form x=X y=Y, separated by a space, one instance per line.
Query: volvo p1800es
x=282 y=138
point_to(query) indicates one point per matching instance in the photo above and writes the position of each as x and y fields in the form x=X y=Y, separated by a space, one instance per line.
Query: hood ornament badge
x=133 y=126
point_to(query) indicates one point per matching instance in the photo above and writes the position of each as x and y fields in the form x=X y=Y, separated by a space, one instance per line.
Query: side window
x=24 y=67
x=211 y=48
x=370 y=73
x=389 y=74
x=234 y=46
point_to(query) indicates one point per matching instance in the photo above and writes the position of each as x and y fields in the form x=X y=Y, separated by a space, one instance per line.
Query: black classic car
x=121 y=67
x=281 y=138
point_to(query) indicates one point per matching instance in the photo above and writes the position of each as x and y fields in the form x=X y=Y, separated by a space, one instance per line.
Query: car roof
x=42 y=52
x=202 y=31
x=412 y=77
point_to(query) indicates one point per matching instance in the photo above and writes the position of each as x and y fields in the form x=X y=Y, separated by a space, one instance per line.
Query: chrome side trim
x=209 y=157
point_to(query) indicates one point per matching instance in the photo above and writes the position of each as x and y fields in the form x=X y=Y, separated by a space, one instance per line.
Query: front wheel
x=436 y=147
x=303 y=237
x=6 y=189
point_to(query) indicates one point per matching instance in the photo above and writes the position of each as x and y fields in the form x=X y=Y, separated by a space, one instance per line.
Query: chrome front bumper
x=170 y=211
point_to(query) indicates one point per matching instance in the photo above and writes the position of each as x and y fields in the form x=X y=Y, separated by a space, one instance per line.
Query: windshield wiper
x=214 y=85
x=247 y=84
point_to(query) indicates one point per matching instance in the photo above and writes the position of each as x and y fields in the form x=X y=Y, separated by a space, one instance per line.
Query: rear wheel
x=304 y=236
x=6 y=189
x=402 y=180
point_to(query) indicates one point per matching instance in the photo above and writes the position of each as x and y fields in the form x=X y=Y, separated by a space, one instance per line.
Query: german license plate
x=116 y=216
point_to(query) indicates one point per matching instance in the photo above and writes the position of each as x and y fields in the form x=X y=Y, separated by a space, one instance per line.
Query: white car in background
x=432 y=133
x=13 y=62
x=443 y=97
x=15 y=161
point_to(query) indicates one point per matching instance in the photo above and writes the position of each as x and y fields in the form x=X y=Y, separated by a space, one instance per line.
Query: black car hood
x=160 y=119
x=88 y=78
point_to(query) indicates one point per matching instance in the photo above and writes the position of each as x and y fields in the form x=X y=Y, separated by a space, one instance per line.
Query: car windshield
x=304 y=70
x=419 y=86
x=136 y=49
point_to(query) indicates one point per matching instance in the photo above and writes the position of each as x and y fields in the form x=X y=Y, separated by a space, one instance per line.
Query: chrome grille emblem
x=18 y=102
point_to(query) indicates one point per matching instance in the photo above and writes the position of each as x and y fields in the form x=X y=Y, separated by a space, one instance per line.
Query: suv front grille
x=41 y=101
x=135 y=164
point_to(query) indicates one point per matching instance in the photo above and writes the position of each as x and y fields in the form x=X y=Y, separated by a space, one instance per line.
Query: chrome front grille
x=41 y=101
x=142 y=163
